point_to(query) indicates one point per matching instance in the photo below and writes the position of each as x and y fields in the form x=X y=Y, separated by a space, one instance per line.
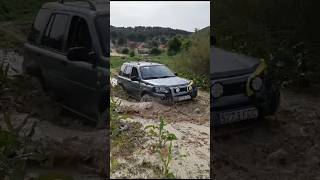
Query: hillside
x=143 y=34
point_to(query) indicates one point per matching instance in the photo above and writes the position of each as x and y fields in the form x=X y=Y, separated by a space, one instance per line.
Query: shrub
x=174 y=46
x=155 y=51
x=125 y=51
x=132 y=54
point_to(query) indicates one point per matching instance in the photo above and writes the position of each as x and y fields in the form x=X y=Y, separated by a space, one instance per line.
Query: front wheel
x=146 y=98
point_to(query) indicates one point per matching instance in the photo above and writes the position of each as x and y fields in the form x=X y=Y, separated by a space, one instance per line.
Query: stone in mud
x=197 y=110
x=279 y=157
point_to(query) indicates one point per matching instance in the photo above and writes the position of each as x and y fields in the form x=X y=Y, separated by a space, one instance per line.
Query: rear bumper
x=266 y=102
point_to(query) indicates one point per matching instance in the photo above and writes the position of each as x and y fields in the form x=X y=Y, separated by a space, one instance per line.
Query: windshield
x=155 y=72
x=103 y=30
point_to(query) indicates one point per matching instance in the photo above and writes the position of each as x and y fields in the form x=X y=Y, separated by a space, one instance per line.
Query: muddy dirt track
x=283 y=147
x=188 y=120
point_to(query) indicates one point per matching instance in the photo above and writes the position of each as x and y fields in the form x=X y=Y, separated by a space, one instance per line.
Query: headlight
x=190 y=86
x=257 y=83
x=216 y=90
x=161 y=90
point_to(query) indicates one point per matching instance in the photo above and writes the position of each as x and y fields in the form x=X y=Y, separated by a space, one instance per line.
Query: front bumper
x=266 y=102
x=176 y=96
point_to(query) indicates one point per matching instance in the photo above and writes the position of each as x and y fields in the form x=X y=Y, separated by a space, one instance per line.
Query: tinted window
x=79 y=35
x=127 y=71
x=134 y=72
x=55 y=32
x=39 y=25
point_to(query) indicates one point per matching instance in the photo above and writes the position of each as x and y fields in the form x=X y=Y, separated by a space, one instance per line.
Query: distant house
x=162 y=47
x=132 y=45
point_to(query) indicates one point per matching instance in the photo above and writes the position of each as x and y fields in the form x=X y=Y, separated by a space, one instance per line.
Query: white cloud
x=186 y=15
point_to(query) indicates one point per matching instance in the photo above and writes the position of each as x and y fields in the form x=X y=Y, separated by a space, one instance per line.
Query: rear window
x=38 y=26
x=127 y=71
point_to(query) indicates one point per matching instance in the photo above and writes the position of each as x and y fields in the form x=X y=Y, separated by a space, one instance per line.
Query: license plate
x=182 y=98
x=238 y=115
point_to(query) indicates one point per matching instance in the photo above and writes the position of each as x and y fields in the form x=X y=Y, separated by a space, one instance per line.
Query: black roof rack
x=91 y=3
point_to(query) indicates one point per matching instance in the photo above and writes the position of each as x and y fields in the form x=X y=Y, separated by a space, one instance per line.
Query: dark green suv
x=241 y=88
x=68 y=50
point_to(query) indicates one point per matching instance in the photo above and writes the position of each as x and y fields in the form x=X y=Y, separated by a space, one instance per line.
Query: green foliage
x=125 y=51
x=145 y=34
x=155 y=51
x=174 y=46
x=122 y=41
x=132 y=54
x=114 y=116
x=15 y=149
x=194 y=60
x=11 y=10
x=163 y=137
x=285 y=33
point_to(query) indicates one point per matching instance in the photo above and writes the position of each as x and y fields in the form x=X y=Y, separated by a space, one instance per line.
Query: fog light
x=217 y=90
x=257 y=83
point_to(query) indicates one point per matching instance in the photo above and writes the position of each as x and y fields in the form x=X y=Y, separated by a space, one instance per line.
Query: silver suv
x=146 y=81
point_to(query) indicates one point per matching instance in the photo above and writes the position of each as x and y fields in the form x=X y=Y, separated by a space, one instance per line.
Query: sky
x=185 y=15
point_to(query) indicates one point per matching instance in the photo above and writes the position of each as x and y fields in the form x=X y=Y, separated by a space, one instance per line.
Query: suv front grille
x=182 y=89
x=234 y=88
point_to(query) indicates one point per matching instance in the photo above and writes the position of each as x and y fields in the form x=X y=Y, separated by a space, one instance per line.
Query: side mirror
x=135 y=78
x=176 y=74
x=79 y=54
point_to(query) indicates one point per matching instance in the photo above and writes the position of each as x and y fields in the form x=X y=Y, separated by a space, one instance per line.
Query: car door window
x=127 y=71
x=38 y=26
x=79 y=34
x=134 y=72
x=55 y=32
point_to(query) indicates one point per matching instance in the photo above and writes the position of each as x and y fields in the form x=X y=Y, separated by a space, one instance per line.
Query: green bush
x=125 y=51
x=155 y=51
x=284 y=33
x=194 y=63
x=174 y=46
x=132 y=54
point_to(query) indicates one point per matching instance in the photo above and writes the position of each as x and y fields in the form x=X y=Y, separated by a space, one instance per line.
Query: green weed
x=165 y=151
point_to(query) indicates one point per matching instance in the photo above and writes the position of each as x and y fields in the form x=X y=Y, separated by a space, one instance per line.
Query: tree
x=125 y=51
x=122 y=41
x=132 y=54
x=174 y=46
x=155 y=51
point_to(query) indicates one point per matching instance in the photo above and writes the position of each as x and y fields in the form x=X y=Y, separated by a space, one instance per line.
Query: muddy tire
x=146 y=98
